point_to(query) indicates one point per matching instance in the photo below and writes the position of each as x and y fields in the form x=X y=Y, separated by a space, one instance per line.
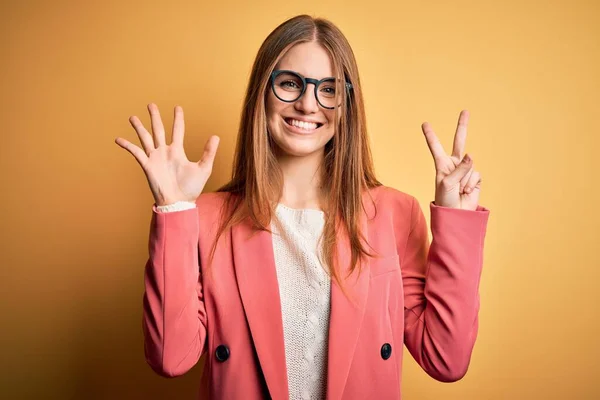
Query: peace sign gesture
x=457 y=184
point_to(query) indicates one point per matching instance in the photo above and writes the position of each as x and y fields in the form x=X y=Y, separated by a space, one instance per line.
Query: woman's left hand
x=457 y=184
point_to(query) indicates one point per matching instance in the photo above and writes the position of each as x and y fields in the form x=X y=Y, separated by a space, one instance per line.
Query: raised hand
x=171 y=176
x=457 y=184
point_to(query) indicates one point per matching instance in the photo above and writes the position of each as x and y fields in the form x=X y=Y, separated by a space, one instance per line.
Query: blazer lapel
x=346 y=315
x=254 y=263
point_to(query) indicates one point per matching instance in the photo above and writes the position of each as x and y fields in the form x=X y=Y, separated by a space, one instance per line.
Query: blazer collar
x=254 y=264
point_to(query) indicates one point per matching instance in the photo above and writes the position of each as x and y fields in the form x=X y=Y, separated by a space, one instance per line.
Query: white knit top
x=304 y=288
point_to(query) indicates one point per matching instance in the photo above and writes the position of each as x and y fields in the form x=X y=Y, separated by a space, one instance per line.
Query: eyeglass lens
x=289 y=87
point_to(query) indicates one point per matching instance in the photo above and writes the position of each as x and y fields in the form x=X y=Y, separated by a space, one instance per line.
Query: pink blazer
x=421 y=295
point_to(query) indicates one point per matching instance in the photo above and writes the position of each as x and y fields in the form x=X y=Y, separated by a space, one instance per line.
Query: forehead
x=310 y=59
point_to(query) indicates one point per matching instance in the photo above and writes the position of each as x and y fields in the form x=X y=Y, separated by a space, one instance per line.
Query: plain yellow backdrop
x=76 y=207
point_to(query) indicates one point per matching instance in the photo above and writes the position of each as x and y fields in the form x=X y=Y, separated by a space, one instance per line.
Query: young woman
x=303 y=276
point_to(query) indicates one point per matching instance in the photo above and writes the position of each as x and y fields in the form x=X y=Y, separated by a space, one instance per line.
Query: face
x=303 y=127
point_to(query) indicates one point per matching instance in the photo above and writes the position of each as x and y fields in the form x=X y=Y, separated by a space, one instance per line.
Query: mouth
x=302 y=126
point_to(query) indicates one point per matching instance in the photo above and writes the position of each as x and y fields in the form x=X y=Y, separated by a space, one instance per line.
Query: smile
x=302 y=126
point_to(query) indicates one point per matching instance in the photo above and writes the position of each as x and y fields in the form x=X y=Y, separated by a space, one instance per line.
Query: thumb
x=460 y=171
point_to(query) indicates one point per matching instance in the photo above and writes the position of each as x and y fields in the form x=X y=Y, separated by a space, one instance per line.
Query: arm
x=441 y=288
x=174 y=317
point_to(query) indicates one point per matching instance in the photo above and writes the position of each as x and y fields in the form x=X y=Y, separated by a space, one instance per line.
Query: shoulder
x=393 y=202
x=212 y=200
x=395 y=212
x=211 y=204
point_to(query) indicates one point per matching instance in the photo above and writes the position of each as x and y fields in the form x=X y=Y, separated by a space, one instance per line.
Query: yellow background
x=77 y=208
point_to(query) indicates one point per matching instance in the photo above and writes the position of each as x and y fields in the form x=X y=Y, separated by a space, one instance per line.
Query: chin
x=297 y=149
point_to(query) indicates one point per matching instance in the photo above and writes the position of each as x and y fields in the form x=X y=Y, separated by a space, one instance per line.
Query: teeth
x=309 y=126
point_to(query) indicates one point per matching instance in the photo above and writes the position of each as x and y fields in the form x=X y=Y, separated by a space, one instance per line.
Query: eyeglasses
x=289 y=86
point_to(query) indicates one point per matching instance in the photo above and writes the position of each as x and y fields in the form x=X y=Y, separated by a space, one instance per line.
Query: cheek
x=272 y=107
x=332 y=118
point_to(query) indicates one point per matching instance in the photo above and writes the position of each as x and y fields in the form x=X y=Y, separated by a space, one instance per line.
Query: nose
x=308 y=102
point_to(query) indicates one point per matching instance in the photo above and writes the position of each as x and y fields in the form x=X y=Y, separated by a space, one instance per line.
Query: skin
x=172 y=177
x=457 y=183
x=300 y=154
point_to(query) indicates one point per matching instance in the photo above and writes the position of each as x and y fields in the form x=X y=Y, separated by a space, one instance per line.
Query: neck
x=302 y=180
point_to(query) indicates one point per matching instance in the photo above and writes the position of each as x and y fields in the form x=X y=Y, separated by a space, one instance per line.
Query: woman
x=303 y=276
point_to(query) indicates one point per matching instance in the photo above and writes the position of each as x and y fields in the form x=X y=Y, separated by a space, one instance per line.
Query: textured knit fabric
x=177 y=206
x=304 y=288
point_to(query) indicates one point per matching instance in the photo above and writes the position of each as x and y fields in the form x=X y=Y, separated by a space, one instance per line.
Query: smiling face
x=302 y=127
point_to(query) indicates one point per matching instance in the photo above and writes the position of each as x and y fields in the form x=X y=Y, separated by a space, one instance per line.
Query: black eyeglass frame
x=305 y=82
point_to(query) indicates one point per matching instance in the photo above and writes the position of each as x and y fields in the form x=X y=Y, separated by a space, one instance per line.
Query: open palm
x=171 y=176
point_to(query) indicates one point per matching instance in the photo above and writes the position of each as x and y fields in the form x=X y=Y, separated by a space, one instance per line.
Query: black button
x=222 y=352
x=386 y=351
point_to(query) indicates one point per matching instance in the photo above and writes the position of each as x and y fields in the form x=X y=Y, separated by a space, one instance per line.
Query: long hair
x=257 y=182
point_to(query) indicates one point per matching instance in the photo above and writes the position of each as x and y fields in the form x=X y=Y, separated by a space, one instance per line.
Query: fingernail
x=468 y=190
x=467 y=159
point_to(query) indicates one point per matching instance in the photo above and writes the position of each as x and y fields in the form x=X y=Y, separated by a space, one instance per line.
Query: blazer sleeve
x=174 y=315
x=441 y=288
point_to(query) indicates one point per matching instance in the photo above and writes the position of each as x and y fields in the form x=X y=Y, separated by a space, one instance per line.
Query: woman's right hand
x=171 y=176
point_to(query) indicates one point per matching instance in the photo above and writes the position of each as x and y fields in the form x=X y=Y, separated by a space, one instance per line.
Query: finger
x=465 y=179
x=474 y=182
x=460 y=137
x=459 y=172
x=178 y=126
x=143 y=134
x=436 y=148
x=158 y=130
x=210 y=150
x=137 y=153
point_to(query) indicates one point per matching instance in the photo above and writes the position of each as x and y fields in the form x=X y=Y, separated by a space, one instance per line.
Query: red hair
x=256 y=183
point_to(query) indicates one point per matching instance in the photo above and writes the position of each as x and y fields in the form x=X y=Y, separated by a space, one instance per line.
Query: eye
x=327 y=90
x=289 y=84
